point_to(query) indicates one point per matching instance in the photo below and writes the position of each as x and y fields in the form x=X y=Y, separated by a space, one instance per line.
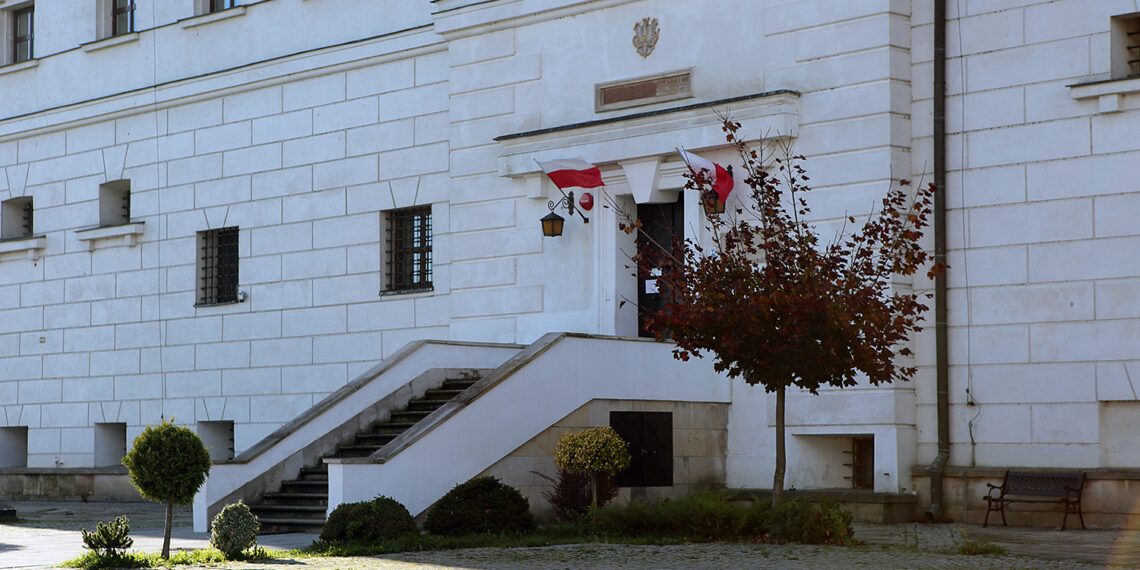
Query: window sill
x=203 y=19
x=110 y=42
x=422 y=292
x=129 y=233
x=1109 y=93
x=30 y=245
x=13 y=68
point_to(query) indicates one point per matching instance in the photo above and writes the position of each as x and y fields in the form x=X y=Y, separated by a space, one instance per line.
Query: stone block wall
x=700 y=440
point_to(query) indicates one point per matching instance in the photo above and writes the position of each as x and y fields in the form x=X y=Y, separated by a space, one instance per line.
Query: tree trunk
x=166 y=535
x=781 y=455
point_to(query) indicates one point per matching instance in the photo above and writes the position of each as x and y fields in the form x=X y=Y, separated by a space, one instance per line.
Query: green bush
x=109 y=540
x=480 y=506
x=697 y=516
x=234 y=530
x=381 y=518
x=711 y=516
x=802 y=521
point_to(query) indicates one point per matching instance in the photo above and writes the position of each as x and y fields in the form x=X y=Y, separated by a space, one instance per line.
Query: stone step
x=273 y=525
x=307 y=499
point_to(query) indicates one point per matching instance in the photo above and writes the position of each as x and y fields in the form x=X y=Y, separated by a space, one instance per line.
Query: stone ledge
x=1092 y=473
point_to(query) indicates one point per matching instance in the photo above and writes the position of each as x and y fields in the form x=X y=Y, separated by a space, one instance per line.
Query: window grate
x=122 y=17
x=23 y=36
x=28 y=218
x=125 y=206
x=218 y=266
x=409 y=249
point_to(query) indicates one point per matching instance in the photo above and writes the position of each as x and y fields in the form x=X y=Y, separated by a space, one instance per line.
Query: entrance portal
x=662 y=229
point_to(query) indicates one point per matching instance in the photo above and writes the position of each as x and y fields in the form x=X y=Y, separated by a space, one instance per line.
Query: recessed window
x=13 y=446
x=1125 y=39
x=17 y=218
x=218 y=437
x=218 y=266
x=23 y=29
x=409 y=249
x=219 y=5
x=115 y=203
x=122 y=17
x=110 y=444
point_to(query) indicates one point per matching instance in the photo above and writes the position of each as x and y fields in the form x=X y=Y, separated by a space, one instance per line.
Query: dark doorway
x=662 y=229
x=650 y=437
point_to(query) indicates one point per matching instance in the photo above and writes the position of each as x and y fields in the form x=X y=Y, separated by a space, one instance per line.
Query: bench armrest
x=992 y=488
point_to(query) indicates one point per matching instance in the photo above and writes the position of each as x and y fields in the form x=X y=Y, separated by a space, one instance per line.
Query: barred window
x=17 y=218
x=218 y=266
x=409 y=249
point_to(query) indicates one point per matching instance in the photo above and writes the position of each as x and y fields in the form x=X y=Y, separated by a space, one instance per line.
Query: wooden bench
x=1031 y=487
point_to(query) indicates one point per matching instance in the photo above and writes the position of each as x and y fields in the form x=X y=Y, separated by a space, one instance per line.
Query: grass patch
x=93 y=561
x=972 y=548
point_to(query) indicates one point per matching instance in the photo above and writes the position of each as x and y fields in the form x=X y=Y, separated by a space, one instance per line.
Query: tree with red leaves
x=778 y=307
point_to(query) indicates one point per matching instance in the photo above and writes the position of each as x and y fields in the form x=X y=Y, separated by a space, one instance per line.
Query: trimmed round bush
x=480 y=506
x=379 y=519
x=234 y=530
x=594 y=450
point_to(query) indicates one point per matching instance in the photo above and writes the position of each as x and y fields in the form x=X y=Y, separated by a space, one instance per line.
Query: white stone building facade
x=307 y=124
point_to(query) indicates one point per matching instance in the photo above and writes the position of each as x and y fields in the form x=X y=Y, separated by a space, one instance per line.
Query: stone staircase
x=300 y=504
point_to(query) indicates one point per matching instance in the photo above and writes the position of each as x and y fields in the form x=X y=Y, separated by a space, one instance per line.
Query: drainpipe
x=942 y=366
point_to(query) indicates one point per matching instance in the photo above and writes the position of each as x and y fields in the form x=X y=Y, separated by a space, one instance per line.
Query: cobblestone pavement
x=48 y=534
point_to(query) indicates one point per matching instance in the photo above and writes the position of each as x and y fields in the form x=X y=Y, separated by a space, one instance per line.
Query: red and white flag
x=709 y=172
x=572 y=172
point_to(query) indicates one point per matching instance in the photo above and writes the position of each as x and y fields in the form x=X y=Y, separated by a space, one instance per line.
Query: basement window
x=218 y=266
x=110 y=444
x=17 y=218
x=13 y=447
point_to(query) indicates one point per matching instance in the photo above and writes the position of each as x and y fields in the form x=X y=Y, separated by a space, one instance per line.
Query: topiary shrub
x=480 y=506
x=234 y=530
x=109 y=540
x=599 y=452
x=379 y=519
x=168 y=464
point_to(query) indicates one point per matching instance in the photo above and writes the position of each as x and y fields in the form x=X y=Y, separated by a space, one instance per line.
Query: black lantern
x=552 y=225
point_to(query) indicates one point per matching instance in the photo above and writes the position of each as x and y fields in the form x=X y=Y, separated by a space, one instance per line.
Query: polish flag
x=710 y=173
x=572 y=172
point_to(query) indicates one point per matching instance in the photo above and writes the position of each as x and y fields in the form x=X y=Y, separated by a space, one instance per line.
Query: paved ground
x=48 y=533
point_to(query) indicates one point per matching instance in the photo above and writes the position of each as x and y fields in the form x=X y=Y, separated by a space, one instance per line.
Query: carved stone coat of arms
x=645 y=35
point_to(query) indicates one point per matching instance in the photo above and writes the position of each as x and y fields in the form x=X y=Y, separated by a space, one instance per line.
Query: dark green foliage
x=810 y=523
x=570 y=496
x=109 y=540
x=168 y=463
x=971 y=548
x=483 y=505
x=381 y=518
x=234 y=530
x=710 y=516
